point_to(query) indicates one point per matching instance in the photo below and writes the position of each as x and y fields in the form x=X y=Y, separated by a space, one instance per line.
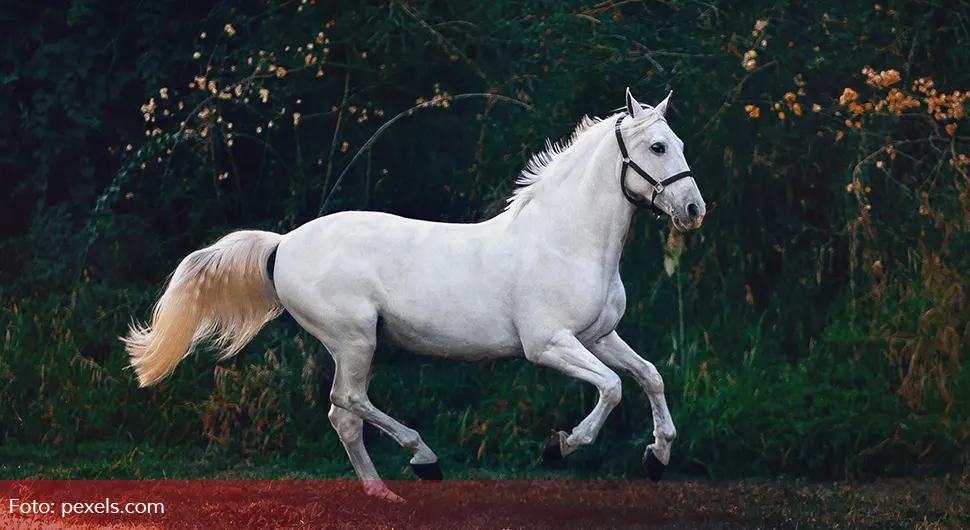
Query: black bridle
x=658 y=186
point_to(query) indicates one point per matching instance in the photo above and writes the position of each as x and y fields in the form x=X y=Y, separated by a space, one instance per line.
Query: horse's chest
x=608 y=317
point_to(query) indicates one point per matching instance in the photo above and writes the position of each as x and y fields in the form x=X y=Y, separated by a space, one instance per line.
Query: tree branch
x=367 y=145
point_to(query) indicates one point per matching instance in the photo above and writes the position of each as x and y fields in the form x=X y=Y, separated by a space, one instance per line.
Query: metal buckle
x=659 y=188
x=626 y=159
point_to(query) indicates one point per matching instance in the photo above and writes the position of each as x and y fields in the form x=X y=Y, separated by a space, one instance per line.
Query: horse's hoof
x=430 y=471
x=655 y=468
x=552 y=451
x=378 y=490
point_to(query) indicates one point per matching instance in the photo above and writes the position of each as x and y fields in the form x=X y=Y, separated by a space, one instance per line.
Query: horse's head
x=655 y=172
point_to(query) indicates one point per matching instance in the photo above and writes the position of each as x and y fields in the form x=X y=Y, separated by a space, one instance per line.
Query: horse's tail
x=223 y=290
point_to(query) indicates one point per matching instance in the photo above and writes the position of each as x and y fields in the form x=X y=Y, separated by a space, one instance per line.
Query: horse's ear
x=662 y=107
x=633 y=107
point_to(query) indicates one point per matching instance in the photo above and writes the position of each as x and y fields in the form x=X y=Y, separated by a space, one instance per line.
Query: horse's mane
x=534 y=169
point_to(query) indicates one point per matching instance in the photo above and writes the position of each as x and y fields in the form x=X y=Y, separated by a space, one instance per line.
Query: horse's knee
x=612 y=390
x=652 y=380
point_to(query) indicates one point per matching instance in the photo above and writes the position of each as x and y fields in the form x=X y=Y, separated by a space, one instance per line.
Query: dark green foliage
x=806 y=330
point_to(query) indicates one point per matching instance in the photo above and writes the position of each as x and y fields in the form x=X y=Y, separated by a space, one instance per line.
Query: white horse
x=540 y=280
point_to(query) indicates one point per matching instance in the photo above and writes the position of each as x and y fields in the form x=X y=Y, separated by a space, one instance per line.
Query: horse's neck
x=584 y=210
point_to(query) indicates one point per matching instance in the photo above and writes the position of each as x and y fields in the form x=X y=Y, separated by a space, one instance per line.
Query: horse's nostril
x=692 y=211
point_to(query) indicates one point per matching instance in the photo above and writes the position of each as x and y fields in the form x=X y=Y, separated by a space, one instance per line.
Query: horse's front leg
x=615 y=353
x=565 y=353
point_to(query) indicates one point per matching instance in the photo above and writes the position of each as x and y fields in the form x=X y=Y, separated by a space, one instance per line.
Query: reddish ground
x=238 y=504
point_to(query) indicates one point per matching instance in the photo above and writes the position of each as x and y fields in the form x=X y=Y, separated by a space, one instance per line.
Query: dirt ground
x=237 y=504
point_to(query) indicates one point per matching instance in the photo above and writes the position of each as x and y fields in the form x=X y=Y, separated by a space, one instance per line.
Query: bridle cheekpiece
x=658 y=186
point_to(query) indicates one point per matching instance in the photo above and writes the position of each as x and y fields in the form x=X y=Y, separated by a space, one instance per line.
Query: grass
x=114 y=461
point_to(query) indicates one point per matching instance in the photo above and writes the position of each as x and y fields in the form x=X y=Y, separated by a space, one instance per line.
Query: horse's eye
x=658 y=148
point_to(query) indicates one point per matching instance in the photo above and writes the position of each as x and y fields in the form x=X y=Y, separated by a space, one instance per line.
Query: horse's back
x=388 y=244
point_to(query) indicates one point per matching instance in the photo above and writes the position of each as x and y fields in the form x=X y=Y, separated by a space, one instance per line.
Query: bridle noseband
x=658 y=186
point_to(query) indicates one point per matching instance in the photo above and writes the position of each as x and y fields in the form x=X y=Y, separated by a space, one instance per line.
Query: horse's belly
x=458 y=334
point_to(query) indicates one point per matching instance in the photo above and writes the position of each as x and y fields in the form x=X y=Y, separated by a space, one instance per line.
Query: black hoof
x=430 y=471
x=655 y=468
x=552 y=452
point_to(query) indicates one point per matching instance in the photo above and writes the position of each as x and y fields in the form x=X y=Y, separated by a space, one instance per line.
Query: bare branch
x=733 y=94
x=336 y=133
x=367 y=145
x=443 y=41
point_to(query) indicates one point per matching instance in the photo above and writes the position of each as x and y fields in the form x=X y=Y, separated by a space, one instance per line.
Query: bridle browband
x=658 y=186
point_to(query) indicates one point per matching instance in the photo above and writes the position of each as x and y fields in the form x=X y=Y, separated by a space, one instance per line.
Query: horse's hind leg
x=351 y=338
x=350 y=429
x=353 y=362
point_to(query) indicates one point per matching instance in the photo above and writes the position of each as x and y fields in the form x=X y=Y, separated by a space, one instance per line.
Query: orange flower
x=750 y=60
x=848 y=95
